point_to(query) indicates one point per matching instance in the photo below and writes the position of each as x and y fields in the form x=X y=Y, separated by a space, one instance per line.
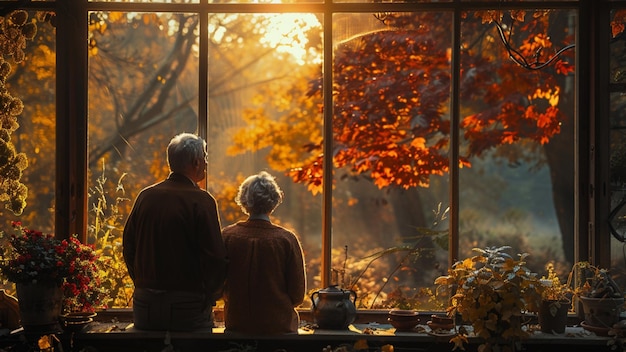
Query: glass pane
x=500 y=1
x=395 y=1
x=390 y=141
x=617 y=157
x=617 y=164
x=143 y=89
x=152 y=1
x=261 y=2
x=617 y=58
x=265 y=114
x=34 y=85
x=518 y=135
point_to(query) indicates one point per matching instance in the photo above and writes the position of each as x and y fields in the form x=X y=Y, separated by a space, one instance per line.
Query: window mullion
x=453 y=250
x=328 y=147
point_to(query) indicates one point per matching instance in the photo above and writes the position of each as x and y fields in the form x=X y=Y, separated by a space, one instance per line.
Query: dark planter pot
x=553 y=316
x=602 y=312
x=40 y=307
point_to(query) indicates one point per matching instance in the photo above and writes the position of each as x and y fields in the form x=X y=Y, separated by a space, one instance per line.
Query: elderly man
x=173 y=246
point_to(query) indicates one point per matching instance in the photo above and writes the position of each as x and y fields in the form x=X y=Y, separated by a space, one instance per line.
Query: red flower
x=31 y=255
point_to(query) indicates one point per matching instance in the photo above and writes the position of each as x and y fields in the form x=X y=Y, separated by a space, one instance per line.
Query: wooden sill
x=575 y=339
x=363 y=316
x=114 y=332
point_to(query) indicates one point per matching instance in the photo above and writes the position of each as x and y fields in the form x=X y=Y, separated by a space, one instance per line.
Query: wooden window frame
x=592 y=171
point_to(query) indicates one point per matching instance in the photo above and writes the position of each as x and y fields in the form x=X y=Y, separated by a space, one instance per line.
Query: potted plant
x=51 y=276
x=555 y=302
x=492 y=291
x=601 y=298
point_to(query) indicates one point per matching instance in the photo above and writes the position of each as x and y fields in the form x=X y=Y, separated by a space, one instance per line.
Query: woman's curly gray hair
x=259 y=194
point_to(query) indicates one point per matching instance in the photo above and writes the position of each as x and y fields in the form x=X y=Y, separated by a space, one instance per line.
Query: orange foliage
x=617 y=22
x=391 y=96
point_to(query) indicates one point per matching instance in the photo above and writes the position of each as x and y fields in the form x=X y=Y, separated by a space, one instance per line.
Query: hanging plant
x=15 y=30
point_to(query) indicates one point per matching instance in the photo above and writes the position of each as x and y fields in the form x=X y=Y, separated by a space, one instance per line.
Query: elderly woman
x=266 y=276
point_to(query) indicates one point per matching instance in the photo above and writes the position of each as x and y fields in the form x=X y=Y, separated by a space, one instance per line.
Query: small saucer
x=76 y=326
x=598 y=330
x=76 y=321
x=437 y=326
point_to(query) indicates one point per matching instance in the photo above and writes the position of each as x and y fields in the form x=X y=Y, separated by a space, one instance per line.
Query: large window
x=392 y=116
x=403 y=134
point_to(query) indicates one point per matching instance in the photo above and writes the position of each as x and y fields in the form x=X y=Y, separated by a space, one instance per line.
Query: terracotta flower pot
x=602 y=312
x=403 y=320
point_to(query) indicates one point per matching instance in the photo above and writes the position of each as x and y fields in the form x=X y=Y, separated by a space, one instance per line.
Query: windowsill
x=105 y=338
x=364 y=316
x=114 y=330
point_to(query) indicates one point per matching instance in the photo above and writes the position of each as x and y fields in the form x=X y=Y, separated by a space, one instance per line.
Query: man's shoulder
x=169 y=188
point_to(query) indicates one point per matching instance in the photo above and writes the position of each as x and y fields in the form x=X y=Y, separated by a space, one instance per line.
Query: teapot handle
x=353 y=294
x=313 y=299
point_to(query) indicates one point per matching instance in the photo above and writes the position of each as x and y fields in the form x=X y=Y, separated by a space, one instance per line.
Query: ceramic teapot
x=333 y=308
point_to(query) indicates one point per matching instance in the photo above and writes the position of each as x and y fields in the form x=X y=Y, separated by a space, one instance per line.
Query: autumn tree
x=391 y=97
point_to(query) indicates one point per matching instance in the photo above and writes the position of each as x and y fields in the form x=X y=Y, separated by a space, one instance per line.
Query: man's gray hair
x=183 y=150
x=259 y=194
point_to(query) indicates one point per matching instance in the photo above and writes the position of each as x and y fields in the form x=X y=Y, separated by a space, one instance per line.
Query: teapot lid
x=332 y=289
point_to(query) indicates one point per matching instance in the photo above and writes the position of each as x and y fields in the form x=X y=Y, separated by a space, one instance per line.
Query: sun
x=288 y=34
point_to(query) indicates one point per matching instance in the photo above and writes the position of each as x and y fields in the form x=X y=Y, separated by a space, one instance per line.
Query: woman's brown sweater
x=266 y=278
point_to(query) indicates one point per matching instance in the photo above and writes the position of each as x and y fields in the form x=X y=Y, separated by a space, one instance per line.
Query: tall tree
x=391 y=93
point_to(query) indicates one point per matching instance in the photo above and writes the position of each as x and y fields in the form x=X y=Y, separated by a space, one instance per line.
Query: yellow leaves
x=444 y=280
x=147 y=18
x=492 y=321
x=509 y=264
x=44 y=343
x=387 y=348
x=255 y=136
x=361 y=345
x=492 y=291
x=518 y=15
x=551 y=96
x=115 y=16
x=43 y=62
x=542 y=40
x=459 y=342
x=489 y=16
x=467 y=263
x=312 y=177
x=419 y=143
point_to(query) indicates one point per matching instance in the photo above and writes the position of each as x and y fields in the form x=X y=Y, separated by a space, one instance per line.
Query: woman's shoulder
x=231 y=228
x=286 y=233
